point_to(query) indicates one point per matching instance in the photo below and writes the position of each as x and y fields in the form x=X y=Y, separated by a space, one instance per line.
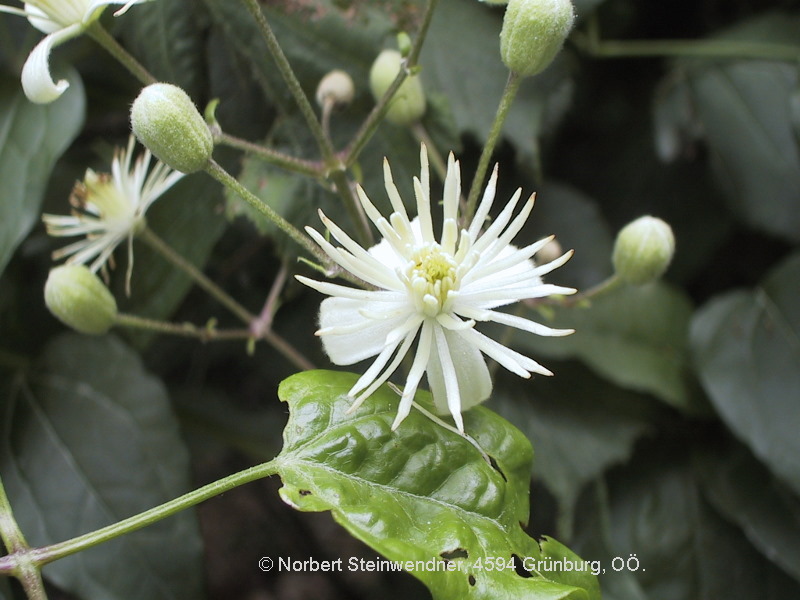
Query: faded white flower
x=110 y=208
x=61 y=20
x=433 y=291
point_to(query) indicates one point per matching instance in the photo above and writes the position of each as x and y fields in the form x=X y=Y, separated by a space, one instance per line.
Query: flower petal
x=352 y=347
x=474 y=382
x=37 y=82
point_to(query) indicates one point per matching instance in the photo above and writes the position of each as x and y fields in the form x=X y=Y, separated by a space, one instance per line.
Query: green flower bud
x=533 y=33
x=337 y=87
x=643 y=250
x=79 y=299
x=168 y=123
x=408 y=104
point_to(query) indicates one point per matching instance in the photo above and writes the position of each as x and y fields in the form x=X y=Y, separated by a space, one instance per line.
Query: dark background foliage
x=670 y=429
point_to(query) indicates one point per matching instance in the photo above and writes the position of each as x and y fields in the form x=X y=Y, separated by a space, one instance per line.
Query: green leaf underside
x=747 y=350
x=747 y=494
x=743 y=110
x=420 y=493
x=635 y=336
x=88 y=394
x=32 y=137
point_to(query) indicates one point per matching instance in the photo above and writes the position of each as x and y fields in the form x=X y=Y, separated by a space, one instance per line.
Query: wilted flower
x=435 y=291
x=61 y=20
x=110 y=208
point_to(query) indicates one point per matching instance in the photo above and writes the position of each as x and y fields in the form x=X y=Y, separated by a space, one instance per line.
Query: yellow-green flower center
x=432 y=275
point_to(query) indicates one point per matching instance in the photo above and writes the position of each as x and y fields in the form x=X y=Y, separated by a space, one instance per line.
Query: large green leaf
x=742 y=109
x=746 y=493
x=420 y=493
x=635 y=336
x=461 y=58
x=32 y=138
x=746 y=346
x=89 y=440
x=654 y=512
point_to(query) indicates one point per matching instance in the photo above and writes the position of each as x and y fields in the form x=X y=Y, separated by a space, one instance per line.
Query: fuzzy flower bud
x=408 y=104
x=337 y=87
x=79 y=299
x=643 y=250
x=533 y=33
x=168 y=123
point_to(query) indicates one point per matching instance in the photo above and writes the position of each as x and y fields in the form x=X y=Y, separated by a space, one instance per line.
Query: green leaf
x=420 y=493
x=636 y=337
x=742 y=109
x=32 y=138
x=89 y=440
x=580 y=425
x=464 y=37
x=746 y=346
x=746 y=493
x=654 y=510
x=167 y=38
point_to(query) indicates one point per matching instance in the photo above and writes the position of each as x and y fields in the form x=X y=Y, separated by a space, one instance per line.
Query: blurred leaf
x=577 y=223
x=420 y=493
x=579 y=424
x=166 y=37
x=88 y=441
x=747 y=494
x=742 y=109
x=32 y=138
x=746 y=347
x=654 y=512
x=636 y=337
x=464 y=38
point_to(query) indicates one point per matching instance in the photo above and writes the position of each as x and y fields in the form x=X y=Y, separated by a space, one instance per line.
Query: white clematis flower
x=61 y=20
x=433 y=291
x=109 y=209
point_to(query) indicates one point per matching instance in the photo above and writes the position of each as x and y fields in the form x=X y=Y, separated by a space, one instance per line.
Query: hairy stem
x=370 y=125
x=47 y=554
x=107 y=41
x=509 y=93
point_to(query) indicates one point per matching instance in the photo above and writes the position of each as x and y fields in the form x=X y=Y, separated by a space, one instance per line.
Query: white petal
x=349 y=348
x=415 y=374
x=514 y=321
x=37 y=82
x=341 y=291
x=485 y=206
x=474 y=382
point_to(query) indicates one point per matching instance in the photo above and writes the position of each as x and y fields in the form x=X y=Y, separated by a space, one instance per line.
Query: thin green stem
x=47 y=554
x=731 y=49
x=229 y=181
x=293 y=84
x=509 y=93
x=23 y=566
x=370 y=125
x=289 y=163
x=205 y=334
x=107 y=41
x=156 y=243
